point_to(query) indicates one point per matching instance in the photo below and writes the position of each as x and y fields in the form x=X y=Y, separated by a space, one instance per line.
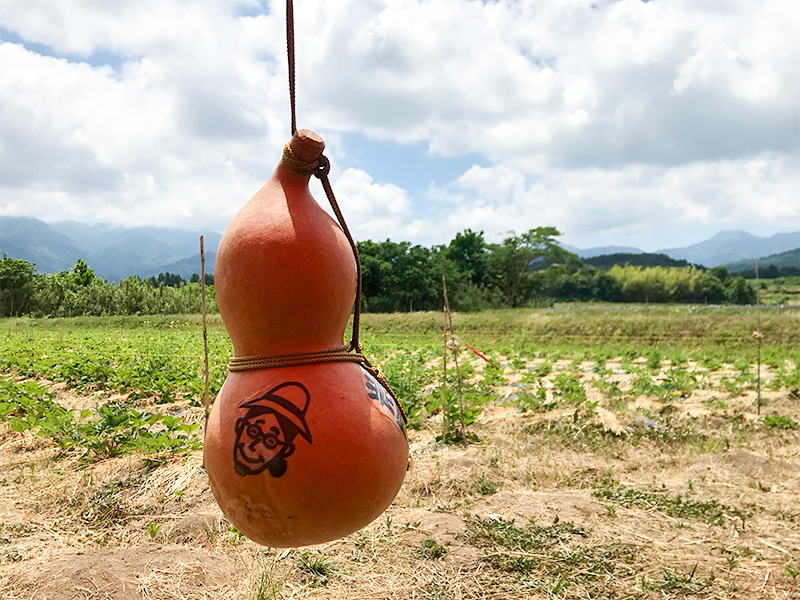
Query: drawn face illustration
x=261 y=439
x=265 y=432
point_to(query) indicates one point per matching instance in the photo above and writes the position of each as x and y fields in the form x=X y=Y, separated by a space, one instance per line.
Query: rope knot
x=319 y=167
x=291 y=160
x=323 y=167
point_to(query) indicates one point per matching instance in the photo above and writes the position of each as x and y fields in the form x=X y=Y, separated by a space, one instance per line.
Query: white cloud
x=605 y=118
x=372 y=210
x=647 y=204
x=559 y=82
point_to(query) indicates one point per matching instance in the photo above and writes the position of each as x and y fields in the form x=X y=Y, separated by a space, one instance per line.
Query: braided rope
x=290 y=55
x=320 y=166
x=250 y=363
x=314 y=357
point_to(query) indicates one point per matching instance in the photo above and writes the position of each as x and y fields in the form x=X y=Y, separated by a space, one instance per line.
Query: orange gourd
x=302 y=454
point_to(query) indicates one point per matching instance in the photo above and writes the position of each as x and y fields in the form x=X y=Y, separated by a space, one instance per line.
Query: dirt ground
x=691 y=498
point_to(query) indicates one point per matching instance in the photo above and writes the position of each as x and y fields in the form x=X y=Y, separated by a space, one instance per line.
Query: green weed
x=672 y=580
x=105 y=505
x=779 y=422
x=152 y=529
x=263 y=583
x=484 y=487
x=710 y=511
x=430 y=548
x=499 y=532
x=318 y=566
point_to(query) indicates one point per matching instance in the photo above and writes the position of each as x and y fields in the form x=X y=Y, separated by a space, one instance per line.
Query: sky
x=646 y=124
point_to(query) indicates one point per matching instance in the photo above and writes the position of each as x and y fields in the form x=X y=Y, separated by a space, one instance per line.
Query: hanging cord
x=347 y=353
x=290 y=54
x=320 y=168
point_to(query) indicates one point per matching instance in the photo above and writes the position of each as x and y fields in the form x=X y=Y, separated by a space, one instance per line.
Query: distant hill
x=186 y=267
x=112 y=251
x=601 y=250
x=783 y=261
x=33 y=240
x=731 y=246
x=642 y=259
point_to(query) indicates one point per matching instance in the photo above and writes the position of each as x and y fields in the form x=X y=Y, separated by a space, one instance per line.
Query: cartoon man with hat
x=265 y=433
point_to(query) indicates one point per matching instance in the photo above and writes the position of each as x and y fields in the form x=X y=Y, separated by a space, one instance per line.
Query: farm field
x=614 y=453
x=784 y=290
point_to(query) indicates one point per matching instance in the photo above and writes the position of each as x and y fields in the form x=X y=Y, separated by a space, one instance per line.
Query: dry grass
x=701 y=502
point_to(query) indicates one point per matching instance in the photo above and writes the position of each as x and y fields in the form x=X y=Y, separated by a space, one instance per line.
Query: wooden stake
x=444 y=363
x=758 y=337
x=206 y=399
x=449 y=325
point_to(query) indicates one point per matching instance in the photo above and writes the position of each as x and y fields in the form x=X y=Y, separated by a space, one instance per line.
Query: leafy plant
x=535 y=400
x=111 y=430
x=430 y=548
x=654 y=360
x=317 y=565
x=779 y=422
x=407 y=376
x=152 y=529
x=484 y=487
x=569 y=388
x=454 y=433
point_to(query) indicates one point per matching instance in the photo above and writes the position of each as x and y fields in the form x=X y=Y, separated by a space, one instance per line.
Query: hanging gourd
x=305 y=442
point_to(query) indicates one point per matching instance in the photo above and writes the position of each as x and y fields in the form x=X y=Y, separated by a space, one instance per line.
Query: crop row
x=110 y=430
x=163 y=362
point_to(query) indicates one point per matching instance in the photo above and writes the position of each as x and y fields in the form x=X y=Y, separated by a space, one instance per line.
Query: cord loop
x=323 y=167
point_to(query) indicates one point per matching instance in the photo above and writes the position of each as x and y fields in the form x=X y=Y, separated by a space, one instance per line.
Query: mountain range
x=725 y=248
x=791 y=258
x=114 y=252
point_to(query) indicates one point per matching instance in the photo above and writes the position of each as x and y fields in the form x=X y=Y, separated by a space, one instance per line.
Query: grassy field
x=783 y=290
x=617 y=452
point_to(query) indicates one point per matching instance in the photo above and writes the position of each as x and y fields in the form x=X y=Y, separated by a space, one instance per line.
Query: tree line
x=78 y=291
x=530 y=269
x=771 y=272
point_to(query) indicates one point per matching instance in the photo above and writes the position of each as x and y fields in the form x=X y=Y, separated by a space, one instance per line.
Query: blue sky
x=647 y=124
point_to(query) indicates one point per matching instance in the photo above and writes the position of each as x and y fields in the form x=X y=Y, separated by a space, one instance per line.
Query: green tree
x=469 y=252
x=514 y=261
x=721 y=273
x=81 y=273
x=398 y=277
x=16 y=286
x=740 y=291
x=577 y=281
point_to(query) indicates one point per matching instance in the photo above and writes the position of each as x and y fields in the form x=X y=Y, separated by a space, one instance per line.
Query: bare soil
x=695 y=497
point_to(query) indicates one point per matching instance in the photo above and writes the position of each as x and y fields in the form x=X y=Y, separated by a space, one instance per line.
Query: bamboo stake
x=206 y=399
x=445 y=418
x=758 y=337
x=449 y=324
